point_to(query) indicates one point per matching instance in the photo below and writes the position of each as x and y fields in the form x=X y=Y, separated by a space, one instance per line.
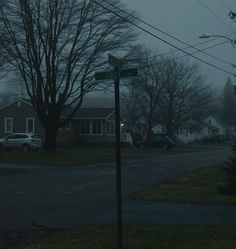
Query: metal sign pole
x=118 y=159
x=116 y=75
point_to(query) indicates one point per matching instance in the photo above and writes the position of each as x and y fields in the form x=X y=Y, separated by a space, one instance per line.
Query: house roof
x=6 y=104
x=218 y=120
x=82 y=113
x=94 y=113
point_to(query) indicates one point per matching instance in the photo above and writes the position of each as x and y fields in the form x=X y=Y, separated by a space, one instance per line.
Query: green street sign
x=104 y=75
x=109 y=75
x=126 y=73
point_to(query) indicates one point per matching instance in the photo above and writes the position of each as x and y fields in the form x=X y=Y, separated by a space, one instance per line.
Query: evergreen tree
x=229 y=104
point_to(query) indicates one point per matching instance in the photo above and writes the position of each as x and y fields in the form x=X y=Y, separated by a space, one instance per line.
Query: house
x=216 y=127
x=211 y=126
x=89 y=125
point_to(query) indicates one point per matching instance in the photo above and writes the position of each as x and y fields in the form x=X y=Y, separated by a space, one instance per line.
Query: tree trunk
x=149 y=134
x=50 y=137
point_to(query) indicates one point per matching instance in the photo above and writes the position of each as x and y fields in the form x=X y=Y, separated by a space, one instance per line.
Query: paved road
x=61 y=197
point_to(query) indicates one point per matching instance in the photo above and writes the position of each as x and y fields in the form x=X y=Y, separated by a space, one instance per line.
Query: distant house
x=89 y=125
x=211 y=126
x=215 y=127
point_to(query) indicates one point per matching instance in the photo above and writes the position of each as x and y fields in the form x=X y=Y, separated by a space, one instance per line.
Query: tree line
x=56 y=46
x=168 y=92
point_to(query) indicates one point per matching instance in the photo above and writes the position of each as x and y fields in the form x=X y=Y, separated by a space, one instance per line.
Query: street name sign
x=109 y=75
x=126 y=73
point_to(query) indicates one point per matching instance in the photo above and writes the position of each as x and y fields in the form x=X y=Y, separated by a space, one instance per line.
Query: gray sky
x=186 y=20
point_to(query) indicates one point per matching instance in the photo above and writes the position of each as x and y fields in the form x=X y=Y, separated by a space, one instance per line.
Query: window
x=8 y=127
x=19 y=103
x=91 y=127
x=97 y=127
x=13 y=136
x=84 y=127
x=20 y=136
x=30 y=125
x=110 y=127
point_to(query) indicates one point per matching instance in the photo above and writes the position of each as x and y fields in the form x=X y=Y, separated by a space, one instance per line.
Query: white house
x=211 y=126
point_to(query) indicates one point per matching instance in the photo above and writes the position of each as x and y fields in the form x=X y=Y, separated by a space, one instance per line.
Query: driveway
x=63 y=197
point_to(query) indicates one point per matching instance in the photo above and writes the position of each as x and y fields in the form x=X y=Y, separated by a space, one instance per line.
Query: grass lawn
x=199 y=187
x=142 y=237
x=83 y=155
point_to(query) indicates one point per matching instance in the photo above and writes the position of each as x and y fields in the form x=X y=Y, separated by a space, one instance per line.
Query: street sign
x=113 y=61
x=109 y=75
x=126 y=73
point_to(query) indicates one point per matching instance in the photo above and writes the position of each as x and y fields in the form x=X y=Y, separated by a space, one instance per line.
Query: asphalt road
x=63 y=197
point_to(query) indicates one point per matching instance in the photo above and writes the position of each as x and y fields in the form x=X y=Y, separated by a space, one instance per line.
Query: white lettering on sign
x=109 y=75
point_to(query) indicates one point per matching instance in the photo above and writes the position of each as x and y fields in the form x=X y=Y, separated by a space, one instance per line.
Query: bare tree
x=56 y=46
x=167 y=92
x=147 y=90
x=131 y=106
x=184 y=96
x=2 y=36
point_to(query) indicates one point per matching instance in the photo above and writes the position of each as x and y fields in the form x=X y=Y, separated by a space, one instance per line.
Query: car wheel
x=25 y=148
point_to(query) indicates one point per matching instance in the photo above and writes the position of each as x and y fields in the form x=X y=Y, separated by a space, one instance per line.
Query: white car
x=23 y=141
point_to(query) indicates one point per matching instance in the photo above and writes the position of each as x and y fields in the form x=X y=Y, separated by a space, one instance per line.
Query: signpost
x=115 y=75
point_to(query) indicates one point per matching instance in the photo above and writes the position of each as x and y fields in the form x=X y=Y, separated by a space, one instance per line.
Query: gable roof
x=217 y=119
x=94 y=113
x=82 y=113
x=5 y=105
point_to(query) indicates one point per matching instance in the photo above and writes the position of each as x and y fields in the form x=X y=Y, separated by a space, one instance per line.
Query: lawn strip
x=88 y=155
x=199 y=187
x=140 y=237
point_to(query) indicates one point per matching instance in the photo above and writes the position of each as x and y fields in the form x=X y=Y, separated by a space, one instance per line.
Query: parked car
x=158 y=140
x=23 y=141
x=211 y=140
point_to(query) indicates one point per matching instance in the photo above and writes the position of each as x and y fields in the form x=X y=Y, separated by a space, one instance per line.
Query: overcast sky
x=186 y=20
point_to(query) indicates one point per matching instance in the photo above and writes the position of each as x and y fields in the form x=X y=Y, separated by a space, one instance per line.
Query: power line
x=163 y=40
x=167 y=34
x=212 y=46
x=196 y=44
x=214 y=14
